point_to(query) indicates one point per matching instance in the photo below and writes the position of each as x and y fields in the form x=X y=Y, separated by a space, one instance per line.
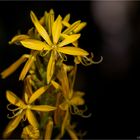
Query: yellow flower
x=30 y=132
x=54 y=44
x=25 y=109
x=72 y=99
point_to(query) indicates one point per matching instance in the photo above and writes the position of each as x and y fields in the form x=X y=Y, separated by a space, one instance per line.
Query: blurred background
x=112 y=87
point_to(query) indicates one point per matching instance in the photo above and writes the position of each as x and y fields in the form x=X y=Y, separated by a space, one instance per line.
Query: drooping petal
x=73 y=51
x=49 y=129
x=43 y=107
x=35 y=44
x=31 y=118
x=40 y=28
x=12 y=125
x=13 y=99
x=18 y=38
x=50 y=67
x=72 y=27
x=68 y=40
x=37 y=94
x=27 y=66
x=56 y=29
x=14 y=66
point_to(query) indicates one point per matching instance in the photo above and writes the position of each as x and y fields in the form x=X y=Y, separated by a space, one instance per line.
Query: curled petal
x=40 y=28
x=43 y=107
x=73 y=51
x=31 y=118
x=13 y=99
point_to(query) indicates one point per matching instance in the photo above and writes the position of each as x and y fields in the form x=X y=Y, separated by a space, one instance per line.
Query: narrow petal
x=37 y=94
x=14 y=66
x=55 y=84
x=73 y=51
x=27 y=67
x=65 y=23
x=43 y=107
x=79 y=27
x=68 y=40
x=72 y=134
x=31 y=118
x=50 y=67
x=56 y=29
x=40 y=28
x=35 y=44
x=50 y=21
x=13 y=99
x=67 y=18
x=72 y=27
x=65 y=122
x=18 y=38
x=49 y=129
x=12 y=125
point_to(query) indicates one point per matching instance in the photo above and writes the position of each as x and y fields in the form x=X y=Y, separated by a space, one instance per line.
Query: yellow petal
x=56 y=29
x=14 y=66
x=40 y=28
x=35 y=44
x=68 y=40
x=73 y=51
x=72 y=27
x=55 y=84
x=77 y=100
x=50 y=21
x=65 y=122
x=65 y=23
x=43 y=107
x=49 y=129
x=50 y=67
x=79 y=27
x=13 y=99
x=37 y=94
x=31 y=118
x=27 y=66
x=64 y=106
x=18 y=38
x=72 y=134
x=12 y=125
x=67 y=18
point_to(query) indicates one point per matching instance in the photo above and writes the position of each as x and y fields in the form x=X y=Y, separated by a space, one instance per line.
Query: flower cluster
x=48 y=98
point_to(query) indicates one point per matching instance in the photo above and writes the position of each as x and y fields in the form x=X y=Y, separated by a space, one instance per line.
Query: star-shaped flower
x=25 y=109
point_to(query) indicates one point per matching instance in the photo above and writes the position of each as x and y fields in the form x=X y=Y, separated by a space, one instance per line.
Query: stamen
x=14 y=114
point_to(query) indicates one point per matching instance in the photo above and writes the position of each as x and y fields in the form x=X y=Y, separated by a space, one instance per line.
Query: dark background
x=112 y=87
